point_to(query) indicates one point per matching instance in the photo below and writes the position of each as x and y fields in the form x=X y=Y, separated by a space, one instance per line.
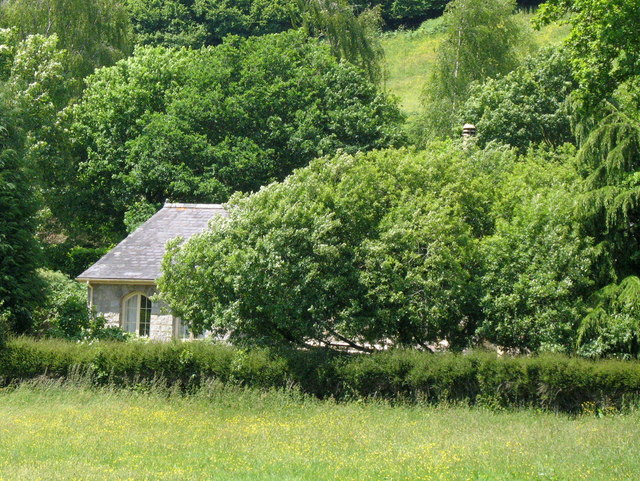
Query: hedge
x=551 y=382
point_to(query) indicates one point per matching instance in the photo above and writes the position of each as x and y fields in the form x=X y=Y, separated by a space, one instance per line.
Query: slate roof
x=138 y=257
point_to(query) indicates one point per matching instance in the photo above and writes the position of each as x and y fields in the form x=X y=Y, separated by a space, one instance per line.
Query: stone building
x=122 y=283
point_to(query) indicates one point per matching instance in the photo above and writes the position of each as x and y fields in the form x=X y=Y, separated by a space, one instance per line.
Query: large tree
x=373 y=248
x=605 y=54
x=198 y=23
x=197 y=125
x=352 y=36
x=35 y=77
x=19 y=290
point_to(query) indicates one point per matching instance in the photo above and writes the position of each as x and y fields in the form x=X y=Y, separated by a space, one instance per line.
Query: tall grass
x=70 y=431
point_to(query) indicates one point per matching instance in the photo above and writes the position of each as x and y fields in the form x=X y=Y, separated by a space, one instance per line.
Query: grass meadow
x=410 y=54
x=65 y=432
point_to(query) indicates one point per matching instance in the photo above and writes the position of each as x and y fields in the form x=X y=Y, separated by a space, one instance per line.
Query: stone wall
x=107 y=301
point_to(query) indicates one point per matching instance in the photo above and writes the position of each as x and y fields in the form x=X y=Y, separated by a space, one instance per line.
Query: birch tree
x=483 y=40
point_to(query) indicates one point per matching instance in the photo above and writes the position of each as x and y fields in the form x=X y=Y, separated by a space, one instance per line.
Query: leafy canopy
x=352 y=37
x=197 y=125
x=527 y=106
x=197 y=23
x=603 y=42
x=537 y=267
x=367 y=248
x=19 y=287
x=612 y=323
x=605 y=55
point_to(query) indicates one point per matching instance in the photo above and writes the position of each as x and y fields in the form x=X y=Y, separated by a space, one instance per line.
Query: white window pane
x=130 y=314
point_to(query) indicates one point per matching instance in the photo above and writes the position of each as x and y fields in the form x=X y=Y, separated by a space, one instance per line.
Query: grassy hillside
x=409 y=54
x=70 y=433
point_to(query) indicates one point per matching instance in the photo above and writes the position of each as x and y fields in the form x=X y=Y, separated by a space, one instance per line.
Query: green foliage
x=138 y=214
x=35 y=75
x=352 y=37
x=93 y=32
x=482 y=40
x=37 y=86
x=553 y=382
x=186 y=363
x=63 y=311
x=19 y=287
x=537 y=267
x=411 y=54
x=410 y=12
x=527 y=106
x=196 y=125
x=605 y=55
x=5 y=319
x=612 y=324
x=603 y=43
x=373 y=248
x=71 y=259
x=609 y=159
x=196 y=23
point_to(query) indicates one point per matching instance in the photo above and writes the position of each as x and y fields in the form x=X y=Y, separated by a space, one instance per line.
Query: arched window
x=136 y=312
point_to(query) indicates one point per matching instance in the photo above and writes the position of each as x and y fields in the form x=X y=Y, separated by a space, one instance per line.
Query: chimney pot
x=468 y=130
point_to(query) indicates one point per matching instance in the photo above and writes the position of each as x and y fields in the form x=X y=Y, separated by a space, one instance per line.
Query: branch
x=350 y=342
x=423 y=345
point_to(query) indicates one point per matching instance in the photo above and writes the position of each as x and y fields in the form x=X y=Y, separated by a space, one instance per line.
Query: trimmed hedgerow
x=553 y=382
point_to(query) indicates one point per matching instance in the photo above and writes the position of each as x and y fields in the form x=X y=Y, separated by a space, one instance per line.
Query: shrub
x=64 y=311
x=553 y=382
x=537 y=268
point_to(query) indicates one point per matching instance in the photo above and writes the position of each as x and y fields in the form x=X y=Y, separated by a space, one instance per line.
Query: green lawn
x=409 y=55
x=60 y=433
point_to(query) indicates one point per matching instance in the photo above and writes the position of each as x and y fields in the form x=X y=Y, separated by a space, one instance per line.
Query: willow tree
x=94 y=32
x=482 y=40
x=352 y=37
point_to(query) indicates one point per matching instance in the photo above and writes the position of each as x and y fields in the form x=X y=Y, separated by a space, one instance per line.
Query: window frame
x=123 y=312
